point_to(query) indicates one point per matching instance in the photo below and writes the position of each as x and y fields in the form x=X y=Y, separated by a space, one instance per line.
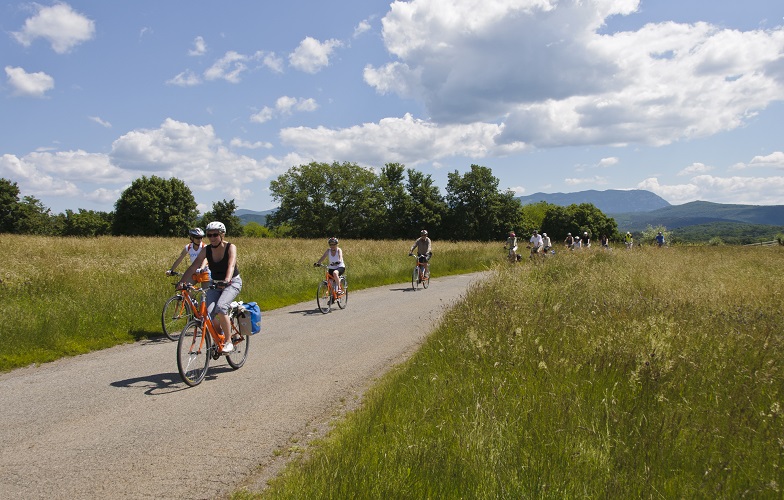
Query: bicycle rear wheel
x=323 y=298
x=174 y=317
x=343 y=299
x=237 y=357
x=193 y=353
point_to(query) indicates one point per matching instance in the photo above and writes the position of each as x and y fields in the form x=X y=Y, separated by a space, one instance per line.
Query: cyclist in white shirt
x=192 y=249
x=536 y=243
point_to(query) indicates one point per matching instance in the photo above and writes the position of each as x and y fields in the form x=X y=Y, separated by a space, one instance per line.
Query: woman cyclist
x=336 y=265
x=222 y=260
x=192 y=249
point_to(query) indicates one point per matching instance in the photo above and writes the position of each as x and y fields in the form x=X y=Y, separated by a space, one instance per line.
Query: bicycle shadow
x=154 y=385
x=407 y=289
x=307 y=312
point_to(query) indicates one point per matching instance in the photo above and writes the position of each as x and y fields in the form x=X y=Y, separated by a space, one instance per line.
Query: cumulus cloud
x=772 y=160
x=695 y=168
x=608 y=162
x=740 y=190
x=543 y=69
x=577 y=181
x=362 y=27
x=403 y=140
x=284 y=105
x=27 y=84
x=311 y=56
x=199 y=47
x=185 y=79
x=239 y=143
x=59 y=24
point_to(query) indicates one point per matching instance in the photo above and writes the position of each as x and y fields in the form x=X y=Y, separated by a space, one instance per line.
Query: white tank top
x=336 y=260
x=193 y=250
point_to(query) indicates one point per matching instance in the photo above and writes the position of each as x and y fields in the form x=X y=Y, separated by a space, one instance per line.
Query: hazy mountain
x=701 y=212
x=611 y=201
x=252 y=216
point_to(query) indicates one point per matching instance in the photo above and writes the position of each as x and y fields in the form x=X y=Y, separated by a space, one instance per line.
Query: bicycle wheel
x=237 y=357
x=174 y=317
x=426 y=279
x=415 y=278
x=343 y=299
x=193 y=353
x=323 y=297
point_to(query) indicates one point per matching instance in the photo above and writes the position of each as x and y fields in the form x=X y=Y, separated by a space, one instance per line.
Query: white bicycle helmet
x=196 y=232
x=333 y=241
x=216 y=225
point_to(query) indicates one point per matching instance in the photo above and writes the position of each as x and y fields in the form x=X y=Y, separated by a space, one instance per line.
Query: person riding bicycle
x=336 y=264
x=660 y=240
x=536 y=243
x=225 y=273
x=192 y=249
x=569 y=241
x=586 y=241
x=511 y=245
x=546 y=243
x=629 y=240
x=425 y=248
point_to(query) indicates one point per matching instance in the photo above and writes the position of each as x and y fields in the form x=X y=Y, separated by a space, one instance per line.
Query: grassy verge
x=68 y=296
x=651 y=373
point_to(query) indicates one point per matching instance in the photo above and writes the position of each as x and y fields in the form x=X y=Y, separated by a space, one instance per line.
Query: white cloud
x=28 y=84
x=273 y=62
x=229 y=67
x=695 y=168
x=608 y=162
x=518 y=190
x=575 y=181
x=311 y=56
x=59 y=24
x=555 y=81
x=740 y=190
x=284 y=105
x=239 y=143
x=362 y=27
x=185 y=79
x=199 y=47
x=100 y=121
x=772 y=160
x=404 y=140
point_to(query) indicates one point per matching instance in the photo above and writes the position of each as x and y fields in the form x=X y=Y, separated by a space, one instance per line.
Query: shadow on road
x=306 y=312
x=159 y=383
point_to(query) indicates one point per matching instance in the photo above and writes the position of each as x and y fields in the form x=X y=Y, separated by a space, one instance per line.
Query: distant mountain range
x=611 y=201
x=251 y=216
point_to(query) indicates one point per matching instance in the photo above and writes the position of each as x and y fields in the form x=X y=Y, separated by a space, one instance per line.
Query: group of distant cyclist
x=541 y=245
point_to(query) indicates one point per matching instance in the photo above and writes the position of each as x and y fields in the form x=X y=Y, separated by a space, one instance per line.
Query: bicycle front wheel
x=426 y=279
x=323 y=297
x=415 y=278
x=193 y=353
x=343 y=299
x=174 y=317
x=237 y=357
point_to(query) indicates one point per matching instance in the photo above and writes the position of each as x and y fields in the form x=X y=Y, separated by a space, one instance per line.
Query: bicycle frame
x=200 y=313
x=331 y=284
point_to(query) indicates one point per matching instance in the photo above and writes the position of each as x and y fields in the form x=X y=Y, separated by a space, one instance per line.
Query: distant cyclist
x=424 y=247
x=660 y=239
x=629 y=240
x=569 y=241
x=536 y=243
x=511 y=245
x=546 y=243
x=192 y=249
x=336 y=266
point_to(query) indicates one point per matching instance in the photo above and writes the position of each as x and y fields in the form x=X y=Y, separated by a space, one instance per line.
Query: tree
x=223 y=211
x=478 y=211
x=9 y=206
x=256 y=230
x=648 y=236
x=396 y=203
x=155 y=207
x=34 y=217
x=578 y=219
x=86 y=223
x=320 y=199
x=428 y=208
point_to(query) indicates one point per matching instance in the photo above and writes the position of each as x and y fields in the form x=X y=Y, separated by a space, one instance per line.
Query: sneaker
x=228 y=347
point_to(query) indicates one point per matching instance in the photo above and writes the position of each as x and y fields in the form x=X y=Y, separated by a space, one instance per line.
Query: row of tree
x=318 y=200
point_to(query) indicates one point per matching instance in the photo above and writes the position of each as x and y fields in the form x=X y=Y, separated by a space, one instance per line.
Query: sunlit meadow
x=67 y=296
x=651 y=373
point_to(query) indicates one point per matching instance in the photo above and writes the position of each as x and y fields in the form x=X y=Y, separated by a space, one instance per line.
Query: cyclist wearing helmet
x=336 y=264
x=535 y=243
x=191 y=249
x=222 y=260
x=511 y=245
x=425 y=248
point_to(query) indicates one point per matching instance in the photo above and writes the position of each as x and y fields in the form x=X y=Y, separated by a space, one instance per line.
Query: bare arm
x=323 y=257
x=179 y=259
x=186 y=276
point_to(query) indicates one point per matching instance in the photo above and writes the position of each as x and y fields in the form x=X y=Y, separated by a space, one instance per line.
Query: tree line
x=322 y=199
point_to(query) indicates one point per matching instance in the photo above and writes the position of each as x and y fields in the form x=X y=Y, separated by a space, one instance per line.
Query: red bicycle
x=420 y=275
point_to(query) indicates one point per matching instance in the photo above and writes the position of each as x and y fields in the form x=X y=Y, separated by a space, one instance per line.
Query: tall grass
x=631 y=374
x=67 y=296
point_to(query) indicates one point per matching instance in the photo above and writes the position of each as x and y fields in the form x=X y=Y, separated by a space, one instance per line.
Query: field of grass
x=68 y=296
x=654 y=373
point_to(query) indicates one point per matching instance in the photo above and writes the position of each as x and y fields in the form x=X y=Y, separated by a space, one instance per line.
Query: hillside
x=700 y=212
x=610 y=201
x=253 y=216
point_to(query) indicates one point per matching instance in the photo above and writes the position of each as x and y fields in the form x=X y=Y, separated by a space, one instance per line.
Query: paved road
x=119 y=423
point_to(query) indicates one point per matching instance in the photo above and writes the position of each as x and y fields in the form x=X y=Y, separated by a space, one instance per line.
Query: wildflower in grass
x=542 y=365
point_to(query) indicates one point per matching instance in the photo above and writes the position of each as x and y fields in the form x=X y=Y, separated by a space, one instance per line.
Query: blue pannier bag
x=252 y=310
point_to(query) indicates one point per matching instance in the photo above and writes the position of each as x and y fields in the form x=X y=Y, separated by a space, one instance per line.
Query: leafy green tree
x=34 y=217
x=86 y=223
x=397 y=203
x=155 y=207
x=9 y=206
x=648 y=236
x=428 y=209
x=223 y=211
x=256 y=230
x=533 y=216
x=578 y=219
x=477 y=210
x=320 y=199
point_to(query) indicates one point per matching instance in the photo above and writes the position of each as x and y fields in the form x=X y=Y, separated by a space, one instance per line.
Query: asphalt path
x=119 y=423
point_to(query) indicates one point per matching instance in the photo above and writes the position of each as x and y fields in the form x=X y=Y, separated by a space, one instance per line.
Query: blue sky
x=684 y=98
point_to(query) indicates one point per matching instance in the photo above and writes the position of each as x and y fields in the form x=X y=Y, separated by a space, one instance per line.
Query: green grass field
x=68 y=296
x=631 y=374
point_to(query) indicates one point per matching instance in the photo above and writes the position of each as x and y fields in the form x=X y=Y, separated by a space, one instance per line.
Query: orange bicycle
x=420 y=275
x=175 y=314
x=200 y=341
x=327 y=292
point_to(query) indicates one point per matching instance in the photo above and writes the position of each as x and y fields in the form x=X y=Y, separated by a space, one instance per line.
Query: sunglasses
x=213 y=235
